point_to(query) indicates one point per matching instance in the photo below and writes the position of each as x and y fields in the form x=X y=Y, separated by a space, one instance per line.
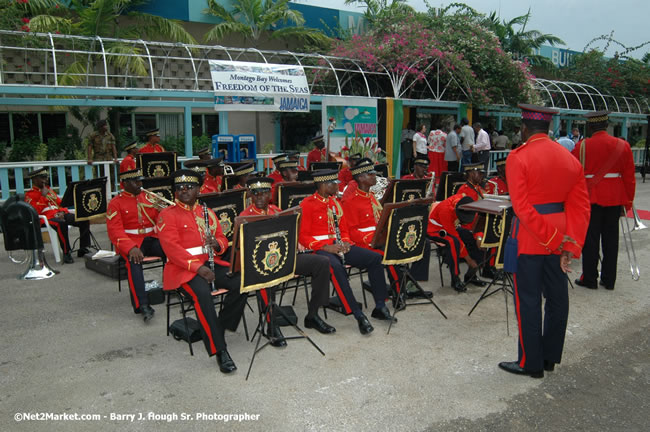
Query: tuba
x=379 y=188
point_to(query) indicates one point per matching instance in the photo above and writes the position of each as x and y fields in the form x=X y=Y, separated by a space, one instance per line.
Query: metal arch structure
x=587 y=98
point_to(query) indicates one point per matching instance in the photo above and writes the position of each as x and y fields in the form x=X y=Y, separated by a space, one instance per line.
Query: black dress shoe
x=147 y=312
x=364 y=325
x=67 y=258
x=315 y=322
x=549 y=366
x=513 y=367
x=277 y=339
x=474 y=281
x=82 y=252
x=226 y=365
x=582 y=283
x=603 y=284
x=488 y=272
x=457 y=285
x=382 y=314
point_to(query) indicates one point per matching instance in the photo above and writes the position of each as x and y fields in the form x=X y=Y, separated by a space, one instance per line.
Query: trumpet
x=158 y=200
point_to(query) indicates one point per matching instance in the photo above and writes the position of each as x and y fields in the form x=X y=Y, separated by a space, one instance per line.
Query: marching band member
x=323 y=221
x=130 y=222
x=47 y=203
x=420 y=169
x=184 y=237
x=241 y=175
x=345 y=175
x=498 y=185
x=551 y=204
x=362 y=212
x=129 y=162
x=288 y=173
x=275 y=175
x=609 y=171
x=153 y=143
x=446 y=222
x=318 y=153
x=205 y=153
x=213 y=180
x=316 y=266
x=294 y=155
x=474 y=175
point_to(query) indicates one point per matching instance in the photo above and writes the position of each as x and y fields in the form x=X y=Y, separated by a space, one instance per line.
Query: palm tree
x=520 y=42
x=104 y=18
x=254 y=19
x=380 y=13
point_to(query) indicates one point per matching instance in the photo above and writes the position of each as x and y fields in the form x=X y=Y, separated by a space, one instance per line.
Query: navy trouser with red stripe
x=364 y=259
x=537 y=276
x=150 y=247
x=603 y=231
x=318 y=268
x=61 y=227
x=212 y=328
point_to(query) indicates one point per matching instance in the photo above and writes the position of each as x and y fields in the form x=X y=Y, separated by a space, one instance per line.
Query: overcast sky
x=574 y=21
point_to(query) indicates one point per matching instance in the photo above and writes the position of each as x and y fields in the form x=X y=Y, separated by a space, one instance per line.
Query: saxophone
x=209 y=250
x=337 y=231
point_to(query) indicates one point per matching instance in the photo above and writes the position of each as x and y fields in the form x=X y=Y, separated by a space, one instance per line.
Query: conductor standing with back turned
x=551 y=205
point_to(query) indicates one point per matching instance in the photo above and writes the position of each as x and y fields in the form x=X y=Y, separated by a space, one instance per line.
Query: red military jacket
x=252 y=210
x=345 y=176
x=618 y=185
x=413 y=177
x=470 y=190
x=362 y=213
x=540 y=172
x=276 y=176
x=211 y=184
x=496 y=186
x=349 y=191
x=148 y=148
x=181 y=231
x=317 y=226
x=315 y=156
x=128 y=163
x=129 y=220
x=48 y=205
x=443 y=217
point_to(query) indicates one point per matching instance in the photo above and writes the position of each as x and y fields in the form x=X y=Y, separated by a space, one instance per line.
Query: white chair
x=54 y=238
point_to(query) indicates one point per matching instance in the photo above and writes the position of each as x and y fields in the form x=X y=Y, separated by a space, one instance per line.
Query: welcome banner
x=247 y=86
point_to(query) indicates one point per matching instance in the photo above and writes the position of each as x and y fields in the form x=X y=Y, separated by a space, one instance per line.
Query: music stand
x=382 y=170
x=450 y=182
x=264 y=250
x=227 y=206
x=405 y=190
x=401 y=233
x=161 y=164
x=88 y=197
x=498 y=217
x=290 y=194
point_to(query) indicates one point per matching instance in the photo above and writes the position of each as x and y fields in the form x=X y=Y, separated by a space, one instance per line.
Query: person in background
x=453 y=153
x=205 y=153
x=436 y=146
x=467 y=141
x=565 y=141
x=153 y=142
x=129 y=163
x=420 y=141
x=501 y=142
x=516 y=138
x=101 y=144
x=482 y=146
x=318 y=152
x=575 y=135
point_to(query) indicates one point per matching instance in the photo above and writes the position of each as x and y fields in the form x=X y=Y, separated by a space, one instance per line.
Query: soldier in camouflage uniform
x=101 y=144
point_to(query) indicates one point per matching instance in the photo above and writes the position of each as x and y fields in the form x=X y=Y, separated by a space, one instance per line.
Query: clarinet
x=337 y=231
x=210 y=251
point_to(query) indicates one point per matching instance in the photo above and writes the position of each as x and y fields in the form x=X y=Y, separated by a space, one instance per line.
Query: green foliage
x=65 y=145
x=365 y=146
x=174 y=143
x=199 y=142
x=24 y=149
x=257 y=20
x=267 y=148
x=640 y=143
x=3 y=149
x=40 y=154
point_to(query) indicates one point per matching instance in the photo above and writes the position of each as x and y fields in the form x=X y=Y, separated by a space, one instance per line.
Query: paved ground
x=71 y=345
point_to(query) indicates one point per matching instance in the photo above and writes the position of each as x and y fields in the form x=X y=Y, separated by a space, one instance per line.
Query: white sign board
x=246 y=86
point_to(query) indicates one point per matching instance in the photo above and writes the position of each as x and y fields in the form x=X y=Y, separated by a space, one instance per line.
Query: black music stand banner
x=291 y=194
x=405 y=190
x=89 y=199
x=406 y=234
x=382 y=170
x=450 y=182
x=157 y=164
x=227 y=206
x=501 y=230
x=267 y=251
x=160 y=185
